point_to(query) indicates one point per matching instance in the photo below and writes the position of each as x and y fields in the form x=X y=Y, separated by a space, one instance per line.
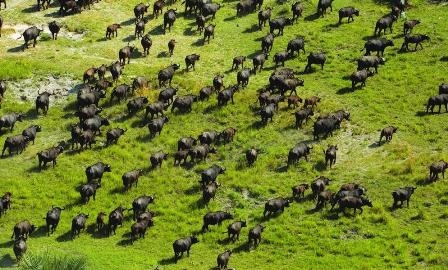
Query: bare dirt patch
x=15 y=31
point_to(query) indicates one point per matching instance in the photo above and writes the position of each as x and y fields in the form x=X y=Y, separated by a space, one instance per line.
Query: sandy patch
x=15 y=31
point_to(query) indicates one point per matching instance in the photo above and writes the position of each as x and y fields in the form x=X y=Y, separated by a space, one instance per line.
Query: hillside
x=379 y=238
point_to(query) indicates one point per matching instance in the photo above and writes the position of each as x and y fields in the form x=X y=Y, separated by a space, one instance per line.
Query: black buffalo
x=31 y=132
x=387 y=132
x=227 y=135
x=168 y=19
x=182 y=245
x=347 y=12
x=115 y=70
x=89 y=190
x=255 y=235
x=214 y=218
x=140 y=10
x=227 y=94
x=401 y=195
x=368 y=61
x=439 y=100
x=136 y=105
x=353 y=202
x=267 y=112
x=223 y=259
x=112 y=30
x=210 y=174
x=87 y=99
x=414 y=39
x=9 y=120
x=436 y=168
x=322 y=6
x=166 y=75
x=138 y=33
x=23 y=229
x=78 y=224
x=258 y=61
x=167 y=95
x=299 y=191
x=360 y=76
x=158 y=7
x=274 y=205
x=19 y=248
x=146 y=43
x=121 y=92
x=251 y=156
x=88 y=112
x=315 y=58
x=377 y=45
x=330 y=155
x=186 y=143
x=190 y=60
x=155 y=109
x=49 y=155
x=209 y=9
x=303 y=115
x=297 y=10
x=234 y=229
x=242 y=77
x=116 y=218
x=52 y=218
x=171 y=45
x=200 y=22
x=383 y=23
x=409 y=25
x=296 y=45
x=281 y=57
x=209 y=192
x=184 y=103
x=139 y=228
x=140 y=204
x=208 y=137
x=31 y=33
x=218 y=82
x=96 y=171
x=319 y=184
x=17 y=142
x=139 y=83
x=95 y=123
x=156 y=126
x=157 y=159
x=267 y=42
x=131 y=177
x=279 y=24
x=125 y=53
x=298 y=151
x=43 y=101
x=237 y=61
x=263 y=16
x=209 y=31
x=326 y=126
x=54 y=29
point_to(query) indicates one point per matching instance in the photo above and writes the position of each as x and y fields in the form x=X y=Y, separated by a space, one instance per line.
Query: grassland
x=413 y=237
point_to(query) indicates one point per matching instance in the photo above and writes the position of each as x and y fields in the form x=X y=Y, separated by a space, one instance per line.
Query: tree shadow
x=344 y=90
x=67 y=236
x=320 y=166
x=7 y=261
x=253 y=28
x=312 y=17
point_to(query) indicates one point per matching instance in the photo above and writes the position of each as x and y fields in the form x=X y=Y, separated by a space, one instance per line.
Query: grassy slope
x=378 y=238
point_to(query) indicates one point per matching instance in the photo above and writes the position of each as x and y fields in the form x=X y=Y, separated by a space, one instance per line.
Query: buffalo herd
x=84 y=133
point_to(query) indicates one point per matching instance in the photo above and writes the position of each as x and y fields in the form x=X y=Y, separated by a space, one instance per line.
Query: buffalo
x=326 y=126
x=140 y=204
x=17 y=142
x=263 y=16
x=9 y=120
x=31 y=33
x=209 y=191
x=237 y=61
x=23 y=229
x=267 y=112
x=155 y=109
x=258 y=61
x=443 y=88
x=182 y=245
x=367 y=62
x=87 y=99
x=347 y=12
x=168 y=19
x=156 y=126
x=116 y=218
x=383 y=23
x=267 y=42
x=115 y=70
x=279 y=24
x=330 y=155
x=415 y=39
x=54 y=29
x=242 y=77
x=166 y=75
x=78 y=224
x=401 y=195
x=360 y=76
x=441 y=99
x=255 y=235
x=157 y=159
x=52 y=218
x=298 y=151
x=200 y=22
x=19 y=248
x=31 y=131
x=223 y=259
x=210 y=174
x=234 y=229
x=409 y=25
x=131 y=177
x=323 y=197
x=100 y=221
x=311 y=101
x=387 y=132
x=2 y=82
x=89 y=190
x=113 y=135
x=181 y=156
x=158 y=7
x=138 y=33
x=209 y=31
x=186 y=143
x=281 y=57
x=167 y=95
x=319 y=184
x=251 y=156
x=315 y=58
x=218 y=82
x=294 y=100
x=227 y=94
x=299 y=191
x=171 y=45
x=322 y=6
x=274 y=205
x=377 y=45
x=87 y=112
x=214 y=218
x=136 y=105
x=95 y=123
x=205 y=92
x=139 y=228
x=112 y=30
x=297 y=10
x=184 y=103
x=354 y=202
x=296 y=45
x=43 y=101
x=139 y=83
x=120 y=92
x=436 y=168
x=49 y=155
x=209 y=9
x=140 y=10
x=96 y=171
x=190 y=60
x=303 y=115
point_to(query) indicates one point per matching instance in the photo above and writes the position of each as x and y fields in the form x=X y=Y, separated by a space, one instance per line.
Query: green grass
x=298 y=238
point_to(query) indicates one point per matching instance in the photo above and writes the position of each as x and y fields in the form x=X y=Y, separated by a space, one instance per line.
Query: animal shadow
x=333 y=25
x=117 y=190
x=283 y=168
x=320 y=166
x=15 y=49
x=198 y=42
x=53 y=15
x=40 y=232
x=101 y=39
x=312 y=17
x=252 y=29
x=243 y=247
x=344 y=90
x=158 y=30
x=130 y=21
x=163 y=54
x=167 y=261
x=366 y=38
x=126 y=240
x=198 y=204
x=7 y=261
x=444 y=59
x=189 y=31
x=31 y=9
x=211 y=108
x=421 y=113
x=230 y=18
x=193 y=190
x=375 y=145
x=129 y=38
x=67 y=236
x=424 y=182
x=7 y=244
